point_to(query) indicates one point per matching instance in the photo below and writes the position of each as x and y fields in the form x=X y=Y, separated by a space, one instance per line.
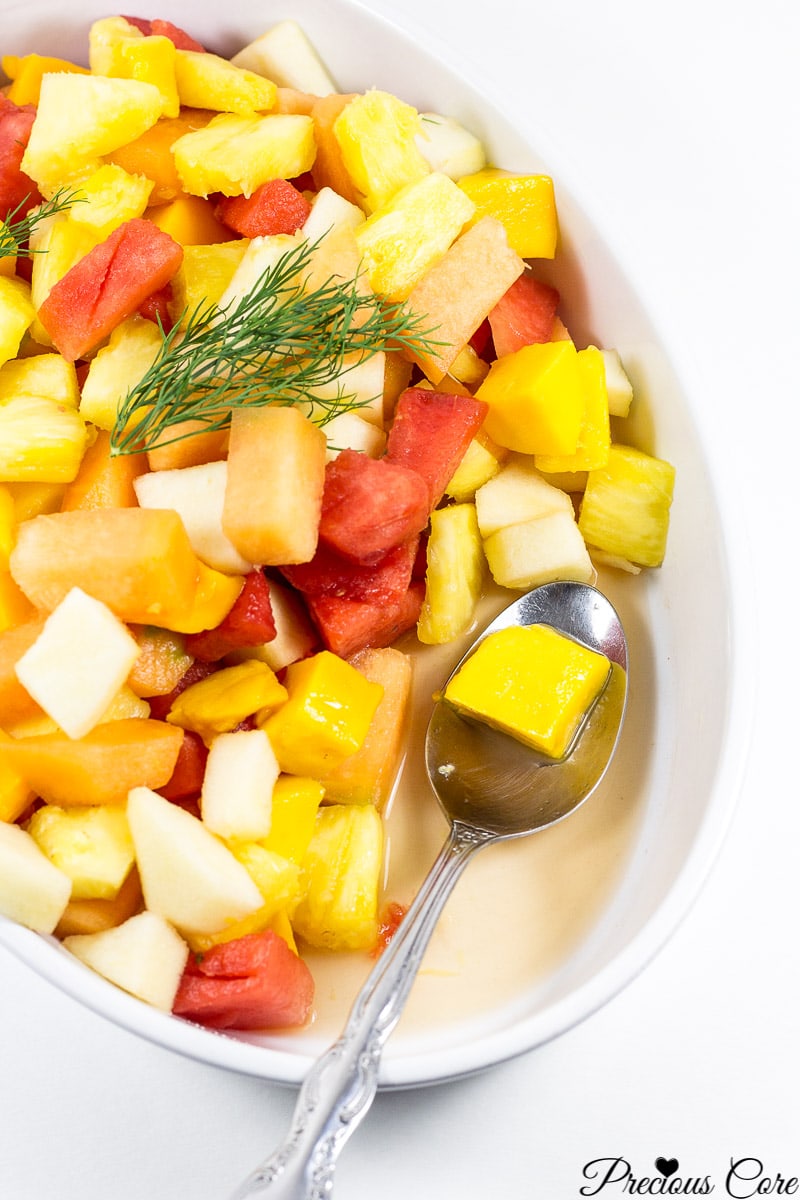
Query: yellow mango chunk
x=401 y=241
x=151 y=60
x=234 y=154
x=27 y=72
x=326 y=717
x=376 y=134
x=341 y=874
x=531 y=682
x=220 y=702
x=536 y=399
x=295 y=801
x=190 y=220
x=594 y=438
x=524 y=204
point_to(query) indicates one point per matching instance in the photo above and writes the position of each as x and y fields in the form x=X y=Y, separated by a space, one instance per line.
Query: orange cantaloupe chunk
x=194 y=446
x=329 y=169
x=15 y=702
x=138 y=561
x=92 y=916
x=104 y=480
x=99 y=768
x=273 y=494
x=151 y=153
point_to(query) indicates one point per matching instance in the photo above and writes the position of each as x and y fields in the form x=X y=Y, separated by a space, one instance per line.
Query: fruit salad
x=283 y=394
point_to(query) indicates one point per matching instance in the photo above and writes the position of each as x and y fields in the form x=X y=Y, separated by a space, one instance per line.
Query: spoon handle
x=340 y=1087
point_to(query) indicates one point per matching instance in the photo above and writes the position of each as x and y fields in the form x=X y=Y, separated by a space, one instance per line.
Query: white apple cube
x=359 y=385
x=517 y=493
x=78 y=663
x=295 y=637
x=350 y=431
x=262 y=254
x=543 y=550
x=448 y=147
x=144 y=956
x=240 y=774
x=33 y=892
x=285 y=55
x=197 y=495
x=618 y=385
x=188 y=876
x=331 y=212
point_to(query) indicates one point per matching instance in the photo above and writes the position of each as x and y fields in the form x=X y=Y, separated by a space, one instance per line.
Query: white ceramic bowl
x=560 y=924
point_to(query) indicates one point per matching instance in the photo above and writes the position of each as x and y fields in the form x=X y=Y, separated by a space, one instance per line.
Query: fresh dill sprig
x=276 y=344
x=16 y=228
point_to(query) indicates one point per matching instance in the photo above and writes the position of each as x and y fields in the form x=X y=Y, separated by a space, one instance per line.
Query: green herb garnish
x=277 y=344
x=18 y=226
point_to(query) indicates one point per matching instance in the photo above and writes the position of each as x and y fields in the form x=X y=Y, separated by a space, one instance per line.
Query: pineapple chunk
x=376 y=134
x=625 y=509
x=78 y=662
x=92 y=845
x=152 y=60
x=543 y=550
x=276 y=877
x=208 y=81
x=481 y=462
x=116 y=368
x=402 y=240
x=455 y=574
x=144 y=956
x=109 y=197
x=618 y=385
x=204 y=275
x=515 y=494
x=241 y=771
x=16 y=315
x=80 y=118
x=234 y=154
x=107 y=37
x=286 y=56
x=45 y=376
x=448 y=147
x=56 y=245
x=341 y=873
x=32 y=891
x=40 y=441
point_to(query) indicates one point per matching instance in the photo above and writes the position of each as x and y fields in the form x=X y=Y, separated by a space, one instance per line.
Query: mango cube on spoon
x=531 y=682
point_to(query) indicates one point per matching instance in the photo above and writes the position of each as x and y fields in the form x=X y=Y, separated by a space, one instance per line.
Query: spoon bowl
x=491 y=788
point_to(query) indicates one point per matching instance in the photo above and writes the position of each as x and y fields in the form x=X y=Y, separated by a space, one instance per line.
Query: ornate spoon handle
x=340 y=1087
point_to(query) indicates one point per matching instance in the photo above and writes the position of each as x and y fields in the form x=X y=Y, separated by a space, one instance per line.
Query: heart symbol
x=667 y=1166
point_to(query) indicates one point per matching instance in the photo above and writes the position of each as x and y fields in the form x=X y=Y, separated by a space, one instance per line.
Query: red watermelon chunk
x=249 y=623
x=187 y=777
x=252 y=982
x=370 y=505
x=347 y=626
x=274 y=207
x=328 y=574
x=158 y=28
x=18 y=192
x=430 y=434
x=524 y=315
x=107 y=285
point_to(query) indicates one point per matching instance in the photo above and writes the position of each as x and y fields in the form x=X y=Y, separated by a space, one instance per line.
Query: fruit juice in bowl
x=537 y=935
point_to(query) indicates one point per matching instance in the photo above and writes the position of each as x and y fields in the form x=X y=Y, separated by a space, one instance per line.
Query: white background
x=682 y=118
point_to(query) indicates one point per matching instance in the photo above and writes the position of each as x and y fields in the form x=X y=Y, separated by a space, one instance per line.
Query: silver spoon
x=491 y=788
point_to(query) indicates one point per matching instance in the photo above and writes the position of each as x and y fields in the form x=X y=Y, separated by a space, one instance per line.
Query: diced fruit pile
x=201 y=699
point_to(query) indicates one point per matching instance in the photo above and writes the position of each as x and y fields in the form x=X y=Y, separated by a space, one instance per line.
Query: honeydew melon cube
x=144 y=956
x=32 y=891
x=197 y=494
x=44 y=376
x=117 y=367
x=448 y=147
x=78 y=663
x=359 y=386
x=92 y=845
x=350 y=431
x=189 y=877
x=618 y=385
x=329 y=213
x=517 y=493
x=541 y=550
x=402 y=240
x=240 y=774
x=235 y=153
x=285 y=55
x=81 y=118
x=295 y=637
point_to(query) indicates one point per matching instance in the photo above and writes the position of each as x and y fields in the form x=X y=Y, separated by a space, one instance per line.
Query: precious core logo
x=742 y=1179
